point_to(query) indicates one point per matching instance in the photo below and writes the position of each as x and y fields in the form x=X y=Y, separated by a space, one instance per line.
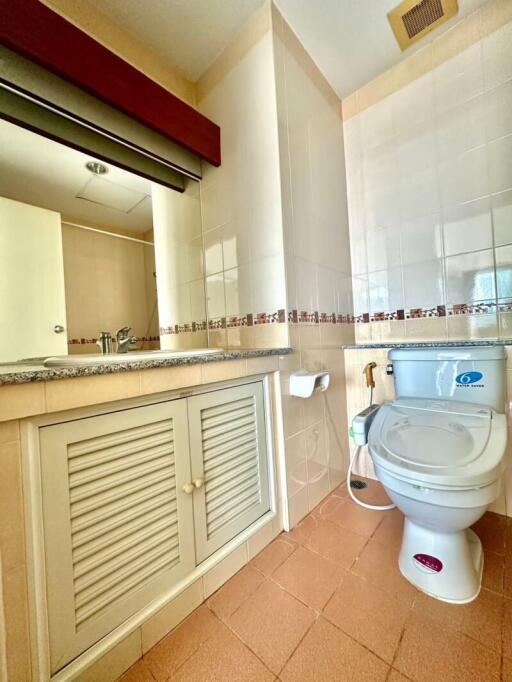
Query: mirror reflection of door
x=77 y=254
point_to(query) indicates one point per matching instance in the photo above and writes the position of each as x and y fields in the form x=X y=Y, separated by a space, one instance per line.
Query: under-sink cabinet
x=134 y=500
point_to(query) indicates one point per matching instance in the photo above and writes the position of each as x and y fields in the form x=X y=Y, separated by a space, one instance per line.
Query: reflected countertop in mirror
x=34 y=370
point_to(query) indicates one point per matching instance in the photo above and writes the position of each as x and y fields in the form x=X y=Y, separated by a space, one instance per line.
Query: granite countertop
x=429 y=344
x=22 y=373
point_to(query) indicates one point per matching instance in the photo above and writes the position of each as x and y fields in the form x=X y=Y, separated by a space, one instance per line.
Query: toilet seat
x=441 y=444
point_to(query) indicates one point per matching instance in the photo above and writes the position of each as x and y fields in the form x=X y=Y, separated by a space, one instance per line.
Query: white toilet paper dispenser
x=303 y=383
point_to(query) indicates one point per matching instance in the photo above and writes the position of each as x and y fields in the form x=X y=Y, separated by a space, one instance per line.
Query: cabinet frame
x=34 y=530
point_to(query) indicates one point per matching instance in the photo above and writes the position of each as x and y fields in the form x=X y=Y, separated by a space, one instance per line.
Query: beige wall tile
x=494 y=15
x=154 y=629
x=81 y=391
x=260 y=539
x=115 y=662
x=426 y=329
x=169 y=378
x=219 y=574
x=349 y=107
x=375 y=90
x=333 y=334
x=222 y=371
x=262 y=365
x=309 y=335
x=270 y=335
x=16 y=618
x=12 y=533
x=21 y=400
x=416 y=65
x=457 y=39
x=472 y=327
x=9 y=431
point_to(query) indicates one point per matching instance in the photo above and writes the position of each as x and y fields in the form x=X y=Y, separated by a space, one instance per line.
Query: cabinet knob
x=188 y=488
x=58 y=329
x=198 y=483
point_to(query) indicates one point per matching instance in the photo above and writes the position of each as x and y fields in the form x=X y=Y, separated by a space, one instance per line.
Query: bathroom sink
x=123 y=358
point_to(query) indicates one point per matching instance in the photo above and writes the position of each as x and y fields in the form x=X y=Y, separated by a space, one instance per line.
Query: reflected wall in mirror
x=77 y=253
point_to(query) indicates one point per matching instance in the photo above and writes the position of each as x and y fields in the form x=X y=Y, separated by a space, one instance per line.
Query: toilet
x=439 y=451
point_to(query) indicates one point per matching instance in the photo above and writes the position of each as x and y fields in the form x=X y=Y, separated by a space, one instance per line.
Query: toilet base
x=447 y=566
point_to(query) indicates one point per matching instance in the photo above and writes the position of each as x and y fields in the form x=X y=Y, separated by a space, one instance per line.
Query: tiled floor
x=327 y=602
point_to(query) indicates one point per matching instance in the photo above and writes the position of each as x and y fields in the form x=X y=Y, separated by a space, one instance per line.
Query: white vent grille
x=123 y=512
x=231 y=462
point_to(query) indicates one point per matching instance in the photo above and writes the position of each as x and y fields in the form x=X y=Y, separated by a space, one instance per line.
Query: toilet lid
x=434 y=435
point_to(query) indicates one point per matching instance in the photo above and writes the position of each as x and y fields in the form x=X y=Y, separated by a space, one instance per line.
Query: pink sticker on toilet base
x=431 y=563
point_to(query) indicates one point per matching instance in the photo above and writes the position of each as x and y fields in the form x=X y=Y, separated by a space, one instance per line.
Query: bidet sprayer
x=368 y=372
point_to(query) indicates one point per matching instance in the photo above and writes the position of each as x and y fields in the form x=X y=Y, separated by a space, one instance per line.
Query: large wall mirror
x=88 y=248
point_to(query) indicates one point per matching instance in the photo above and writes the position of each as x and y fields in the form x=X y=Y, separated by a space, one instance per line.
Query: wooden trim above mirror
x=37 y=32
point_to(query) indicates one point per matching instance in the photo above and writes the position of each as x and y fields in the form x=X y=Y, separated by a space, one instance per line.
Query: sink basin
x=124 y=358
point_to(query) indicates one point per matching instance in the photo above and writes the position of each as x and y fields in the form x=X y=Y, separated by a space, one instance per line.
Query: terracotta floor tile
x=395 y=676
x=340 y=491
x=507 y=629
x=223 y=658
x=481 y=619
x=274 y=555
x=358 y=520
x=309 y=577
x=169 y=654
x=328 y=507
x=335 y=543
x=233 y=593
x=507 y=577
x=379 y=565
x=272 y=622
x=137 y=673
x=428 y=652
x=368 y=614
x=302 y=530
x=327 y=654
x=374 y=493
x=507 y=670
x=491 y=530
x=494 y=571
x=391 y=529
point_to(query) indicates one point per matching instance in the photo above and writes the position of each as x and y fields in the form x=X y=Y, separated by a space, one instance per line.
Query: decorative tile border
x=315 y=317
x=86 y=342
x=476 y=308
x=248 y=320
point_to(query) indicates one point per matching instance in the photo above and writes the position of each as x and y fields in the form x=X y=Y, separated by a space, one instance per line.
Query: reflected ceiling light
x=96 y=168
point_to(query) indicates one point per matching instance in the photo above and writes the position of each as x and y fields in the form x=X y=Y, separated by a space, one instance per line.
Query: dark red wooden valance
x=40 y=34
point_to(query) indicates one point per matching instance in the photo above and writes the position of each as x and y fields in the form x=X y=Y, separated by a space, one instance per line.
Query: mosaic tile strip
x=248 y=320
x=85 y=342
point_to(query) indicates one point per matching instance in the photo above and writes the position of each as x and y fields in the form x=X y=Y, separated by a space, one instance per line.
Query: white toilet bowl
x=441 y=463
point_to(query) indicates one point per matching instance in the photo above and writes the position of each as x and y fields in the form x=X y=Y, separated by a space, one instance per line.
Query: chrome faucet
x=124 y=340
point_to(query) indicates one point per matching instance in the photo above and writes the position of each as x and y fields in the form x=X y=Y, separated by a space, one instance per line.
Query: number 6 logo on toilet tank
x=469 y=379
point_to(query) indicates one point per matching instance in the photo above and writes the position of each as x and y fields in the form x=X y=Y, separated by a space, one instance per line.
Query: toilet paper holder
x=304 y=383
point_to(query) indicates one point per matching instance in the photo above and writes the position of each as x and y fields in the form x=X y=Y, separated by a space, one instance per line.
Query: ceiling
x=187 y=33
x=351 y=41
x=43 y=173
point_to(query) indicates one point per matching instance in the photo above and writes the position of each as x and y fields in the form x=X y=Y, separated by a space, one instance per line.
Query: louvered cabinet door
x=117 y=525
x=229 y=453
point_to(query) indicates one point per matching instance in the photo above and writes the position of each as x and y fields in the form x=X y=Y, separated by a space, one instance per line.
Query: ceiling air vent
x=411 y=20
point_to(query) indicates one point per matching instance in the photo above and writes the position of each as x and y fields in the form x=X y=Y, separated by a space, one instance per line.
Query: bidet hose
x=373 y=507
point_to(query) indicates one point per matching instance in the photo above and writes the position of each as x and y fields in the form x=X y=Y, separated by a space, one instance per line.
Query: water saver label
x=468 y=378
x=431 y=563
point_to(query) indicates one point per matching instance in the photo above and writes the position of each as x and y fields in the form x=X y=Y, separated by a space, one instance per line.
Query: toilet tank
x=473 y=374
